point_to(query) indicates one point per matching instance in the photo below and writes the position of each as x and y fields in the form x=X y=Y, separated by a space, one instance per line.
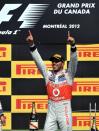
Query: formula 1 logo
x=29 y=17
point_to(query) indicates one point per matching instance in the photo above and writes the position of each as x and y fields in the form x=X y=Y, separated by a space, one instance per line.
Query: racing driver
x=59 y=84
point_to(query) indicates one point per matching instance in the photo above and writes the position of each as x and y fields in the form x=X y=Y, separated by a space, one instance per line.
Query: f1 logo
x=4 y=16
x=30 y=16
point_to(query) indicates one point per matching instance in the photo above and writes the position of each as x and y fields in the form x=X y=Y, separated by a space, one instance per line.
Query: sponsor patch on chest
x=61 y=78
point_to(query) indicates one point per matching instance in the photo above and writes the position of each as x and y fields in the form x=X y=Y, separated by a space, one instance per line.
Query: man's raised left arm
x=72 y=67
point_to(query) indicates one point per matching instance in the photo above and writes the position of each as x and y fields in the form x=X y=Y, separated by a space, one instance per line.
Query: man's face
x=57 y=65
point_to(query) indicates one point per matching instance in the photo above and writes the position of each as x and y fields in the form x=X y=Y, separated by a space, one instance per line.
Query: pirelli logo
x=27 y=69
x=86 y=52
x=5 y=52
x=81 y=121
x=5 y=86
x=86 y=86
x=8 y=121
x=24 y=103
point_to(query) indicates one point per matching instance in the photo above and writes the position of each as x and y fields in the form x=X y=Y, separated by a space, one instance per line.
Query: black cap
x=57 y=57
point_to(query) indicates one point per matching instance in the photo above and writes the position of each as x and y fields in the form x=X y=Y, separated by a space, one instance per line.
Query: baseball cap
x=57 y=57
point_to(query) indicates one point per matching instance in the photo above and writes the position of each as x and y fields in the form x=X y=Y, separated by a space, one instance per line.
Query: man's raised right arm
x=36 y=56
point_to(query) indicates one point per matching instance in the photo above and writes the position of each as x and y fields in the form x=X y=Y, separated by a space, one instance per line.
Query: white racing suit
x=59 y=89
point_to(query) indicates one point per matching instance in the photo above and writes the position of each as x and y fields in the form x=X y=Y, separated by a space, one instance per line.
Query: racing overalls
x=59 y=89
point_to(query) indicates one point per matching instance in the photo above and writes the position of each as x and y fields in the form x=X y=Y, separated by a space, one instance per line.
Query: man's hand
x=3 y=119
x=29 y=38
x=70 y=39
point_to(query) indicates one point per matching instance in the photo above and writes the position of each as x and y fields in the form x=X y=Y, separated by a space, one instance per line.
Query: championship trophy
x=93 y=126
